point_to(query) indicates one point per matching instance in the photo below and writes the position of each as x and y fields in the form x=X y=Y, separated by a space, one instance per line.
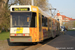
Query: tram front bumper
x=20 y=39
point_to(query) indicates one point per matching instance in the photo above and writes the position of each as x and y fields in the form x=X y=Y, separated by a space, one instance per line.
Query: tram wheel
x=34 y=43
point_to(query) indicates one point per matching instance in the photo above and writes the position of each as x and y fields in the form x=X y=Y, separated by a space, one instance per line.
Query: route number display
x=20 y=9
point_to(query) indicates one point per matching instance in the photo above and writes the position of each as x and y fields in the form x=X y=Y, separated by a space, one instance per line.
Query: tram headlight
x=19 y=34
x=12 y=34
x=25 y=34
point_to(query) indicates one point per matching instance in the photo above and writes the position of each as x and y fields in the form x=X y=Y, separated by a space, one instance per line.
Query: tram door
x=40 y=28
x=49 y=29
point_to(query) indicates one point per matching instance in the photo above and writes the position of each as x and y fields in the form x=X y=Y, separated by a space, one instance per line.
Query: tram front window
x=21 y=19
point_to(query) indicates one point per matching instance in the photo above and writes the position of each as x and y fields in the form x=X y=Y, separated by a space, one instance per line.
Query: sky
x=65 y=7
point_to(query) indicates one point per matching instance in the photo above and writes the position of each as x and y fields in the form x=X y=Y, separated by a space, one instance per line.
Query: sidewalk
x=62 y=42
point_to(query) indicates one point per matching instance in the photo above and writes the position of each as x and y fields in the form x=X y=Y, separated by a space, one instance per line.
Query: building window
x=63 y=22
x=58 y=19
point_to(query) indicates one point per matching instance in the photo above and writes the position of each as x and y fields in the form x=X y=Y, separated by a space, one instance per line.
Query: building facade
x=62 y=19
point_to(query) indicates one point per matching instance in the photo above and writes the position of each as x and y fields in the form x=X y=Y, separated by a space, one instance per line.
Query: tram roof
x=43 y=12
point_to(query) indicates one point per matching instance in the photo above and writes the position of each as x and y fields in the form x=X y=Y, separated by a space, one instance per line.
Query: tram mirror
x=27 y=19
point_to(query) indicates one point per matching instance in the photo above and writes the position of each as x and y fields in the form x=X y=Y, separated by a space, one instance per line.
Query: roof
x=44 y=13
x=29 y=6
x=64 y=17
x=72 y=19
x=58 y=14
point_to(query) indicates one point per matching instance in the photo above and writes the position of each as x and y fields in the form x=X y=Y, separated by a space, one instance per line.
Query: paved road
x=71 y=33
x=62 y=42
x=6 y=45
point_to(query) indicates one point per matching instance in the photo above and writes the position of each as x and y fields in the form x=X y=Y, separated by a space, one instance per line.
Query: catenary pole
x=51 y=18
x=33 y=2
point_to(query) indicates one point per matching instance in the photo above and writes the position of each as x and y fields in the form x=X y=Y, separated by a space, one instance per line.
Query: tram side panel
x=39 y=29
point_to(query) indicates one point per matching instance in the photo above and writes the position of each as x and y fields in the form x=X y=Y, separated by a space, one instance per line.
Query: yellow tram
x=30 y=24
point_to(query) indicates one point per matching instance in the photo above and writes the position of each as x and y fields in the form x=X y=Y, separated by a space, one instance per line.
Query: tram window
x=39 y=22
x=44 y=21
x=21 y=19
x=33 y=20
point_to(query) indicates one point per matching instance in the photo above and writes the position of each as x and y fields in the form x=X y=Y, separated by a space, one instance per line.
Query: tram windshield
x=21 y=19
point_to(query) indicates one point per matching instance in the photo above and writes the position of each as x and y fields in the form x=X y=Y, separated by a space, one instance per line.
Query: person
x=64 y=31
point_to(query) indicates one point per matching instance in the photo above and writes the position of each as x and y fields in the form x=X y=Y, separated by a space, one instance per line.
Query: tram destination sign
x=20 y=9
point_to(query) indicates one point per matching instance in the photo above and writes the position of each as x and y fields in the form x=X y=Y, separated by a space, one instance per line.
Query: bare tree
x=4 y=15
x=70 y=24
x=43 y=4
x=74 y=24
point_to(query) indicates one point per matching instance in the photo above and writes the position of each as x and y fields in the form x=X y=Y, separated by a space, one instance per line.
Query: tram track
x=29 y=46
x=20 y=46
x=24 y=46
x=32 y=47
